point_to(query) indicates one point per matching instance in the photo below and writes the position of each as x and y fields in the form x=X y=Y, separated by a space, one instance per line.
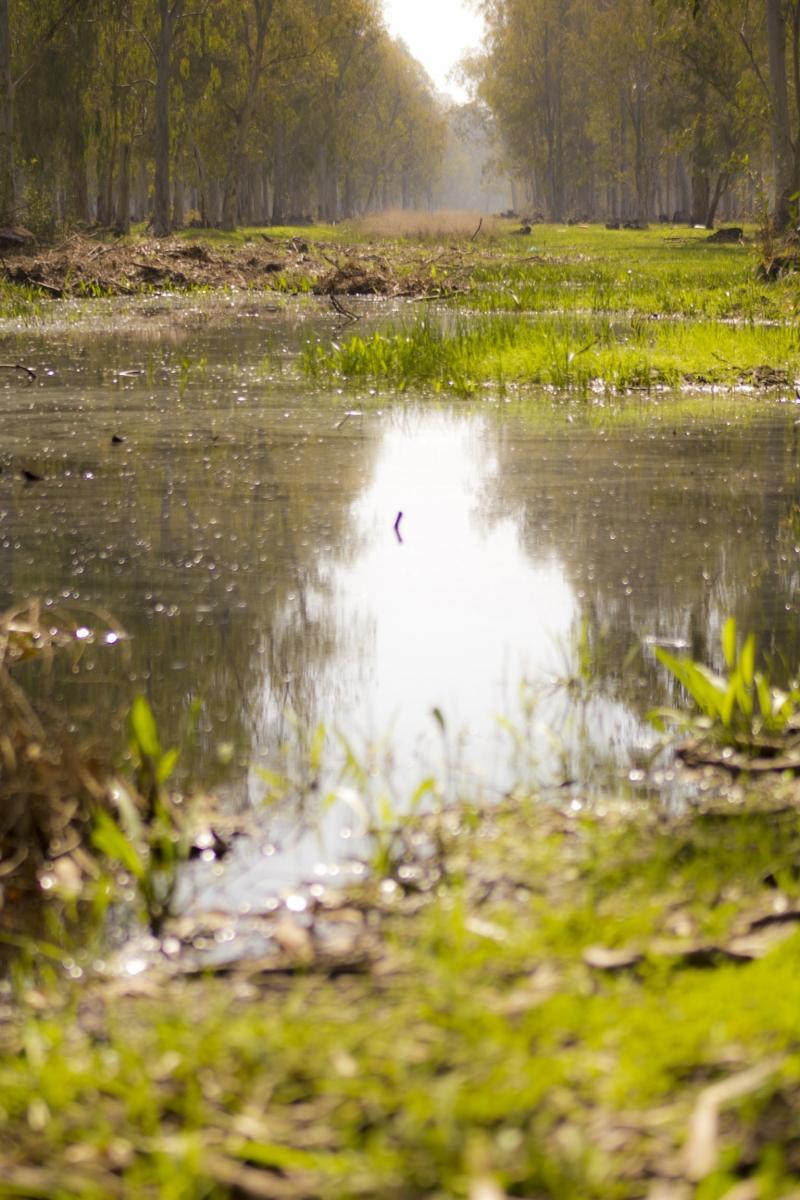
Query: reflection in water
x=244 y=535
x=459 y=614
x=663 y=533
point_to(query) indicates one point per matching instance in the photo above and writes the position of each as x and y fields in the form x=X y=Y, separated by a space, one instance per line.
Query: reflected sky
x=459 y=614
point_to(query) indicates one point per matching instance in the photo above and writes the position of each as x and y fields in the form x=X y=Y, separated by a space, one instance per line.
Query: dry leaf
x=600 y=958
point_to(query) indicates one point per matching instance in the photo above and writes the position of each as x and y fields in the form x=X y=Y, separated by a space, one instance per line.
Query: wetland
x=392 y=566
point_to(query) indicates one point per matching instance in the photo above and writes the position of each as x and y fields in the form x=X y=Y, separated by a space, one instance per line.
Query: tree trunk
x=105 y=182
x=720 y=188
x=122 y=225
x=178 y=203
x=8 y=198
x=701 y=196
x=201 y=184
x=77 y=203
x=279 y=175
x=262 y=11
x=168 y=14
x=783 y=158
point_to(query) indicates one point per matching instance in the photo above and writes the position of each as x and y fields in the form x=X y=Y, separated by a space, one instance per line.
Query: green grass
x=21 y=301
x=308 y=233
x=480 y=1047
x=704 y=282
x=562 y=353
x=588 y=309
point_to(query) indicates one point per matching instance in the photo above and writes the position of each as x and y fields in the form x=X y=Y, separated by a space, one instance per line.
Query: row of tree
x=241 y=110
x=636 y=108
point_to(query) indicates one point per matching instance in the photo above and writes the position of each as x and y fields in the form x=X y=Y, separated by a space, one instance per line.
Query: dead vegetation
x=83 y=267
x=434 y=226
x=49 y=785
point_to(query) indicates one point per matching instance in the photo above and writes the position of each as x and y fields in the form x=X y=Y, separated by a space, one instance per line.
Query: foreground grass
x=548 y=1000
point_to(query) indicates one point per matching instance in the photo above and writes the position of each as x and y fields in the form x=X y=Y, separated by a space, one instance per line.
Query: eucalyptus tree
x=170 y=13
x=713 y=110
x=595 y=99
x=27 y=27
x=525 y=86
x=249 y=23
x=783 y=42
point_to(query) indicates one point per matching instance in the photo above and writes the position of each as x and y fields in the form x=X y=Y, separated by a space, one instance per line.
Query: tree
x=782 y=20
x=13 y=75
x=169 y=14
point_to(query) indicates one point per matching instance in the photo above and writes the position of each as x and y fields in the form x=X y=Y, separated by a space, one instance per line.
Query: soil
x=82 y=266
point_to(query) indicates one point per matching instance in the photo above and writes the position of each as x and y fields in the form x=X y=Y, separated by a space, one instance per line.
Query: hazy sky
x=437 y=32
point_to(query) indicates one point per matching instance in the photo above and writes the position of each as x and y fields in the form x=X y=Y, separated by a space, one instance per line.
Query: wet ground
x=174 y=469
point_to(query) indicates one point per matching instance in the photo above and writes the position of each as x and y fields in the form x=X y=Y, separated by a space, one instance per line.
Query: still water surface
x=243 y=533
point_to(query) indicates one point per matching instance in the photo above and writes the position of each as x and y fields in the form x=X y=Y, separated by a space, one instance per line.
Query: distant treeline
x=636 y=109
x=218 y=111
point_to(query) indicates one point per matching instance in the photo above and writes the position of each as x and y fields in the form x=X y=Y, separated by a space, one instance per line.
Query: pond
x=244 y=528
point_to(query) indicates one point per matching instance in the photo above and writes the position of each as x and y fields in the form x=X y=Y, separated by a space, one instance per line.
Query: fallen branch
x=18 y=367
x=252 y=1181
x=433 y=296
x=44 y=1181
x=340 y=308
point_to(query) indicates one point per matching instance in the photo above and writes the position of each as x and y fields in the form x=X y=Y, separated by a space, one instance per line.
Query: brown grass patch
x=402 y=223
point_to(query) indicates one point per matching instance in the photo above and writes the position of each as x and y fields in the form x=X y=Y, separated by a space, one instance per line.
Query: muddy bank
x=82 y=266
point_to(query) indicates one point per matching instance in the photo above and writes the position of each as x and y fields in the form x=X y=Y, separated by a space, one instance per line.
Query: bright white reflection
x=460 y=613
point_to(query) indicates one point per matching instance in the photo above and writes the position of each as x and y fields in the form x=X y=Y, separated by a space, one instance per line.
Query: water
x=245 y=535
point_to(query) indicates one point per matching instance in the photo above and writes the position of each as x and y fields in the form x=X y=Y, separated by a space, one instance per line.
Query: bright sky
x=437 y=32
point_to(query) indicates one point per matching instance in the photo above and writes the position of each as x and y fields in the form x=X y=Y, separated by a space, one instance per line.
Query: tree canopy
x=636 y=108
x=221 y=111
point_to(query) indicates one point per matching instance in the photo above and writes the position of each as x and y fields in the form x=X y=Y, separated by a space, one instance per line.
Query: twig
x=433 y=296
x=583 y=350
x=341 y=310
x=702 y=1145
x=18 y=367
x=727 y=363
x=426 y=262
x=56 y=292
x=477 y=231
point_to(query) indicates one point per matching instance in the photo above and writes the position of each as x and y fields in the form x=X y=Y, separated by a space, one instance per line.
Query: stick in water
x=18 y=367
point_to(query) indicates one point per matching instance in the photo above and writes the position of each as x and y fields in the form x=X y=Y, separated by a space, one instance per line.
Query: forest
x=399 y=601
x=219 y=112
x=645 y=109
x=226 y=113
